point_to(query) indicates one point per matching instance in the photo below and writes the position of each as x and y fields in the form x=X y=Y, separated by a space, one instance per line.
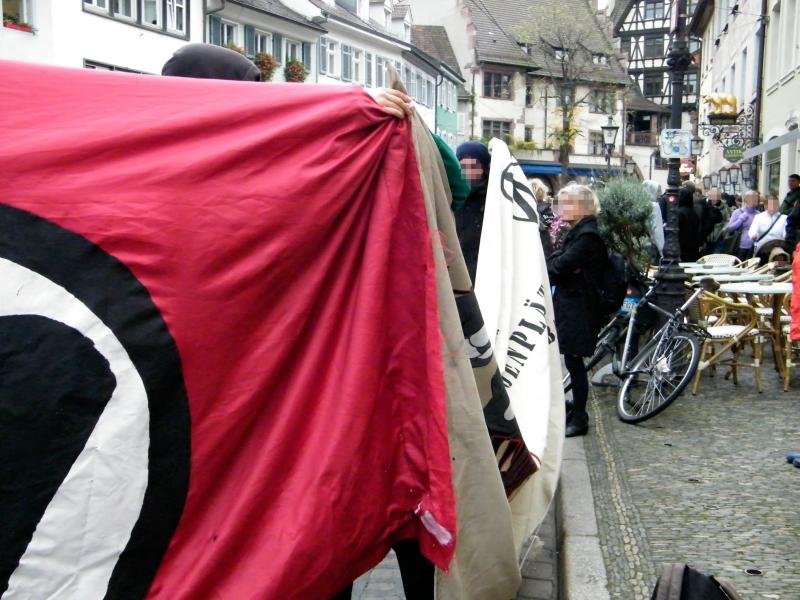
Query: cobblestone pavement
x=705 y=482
x=540 y=572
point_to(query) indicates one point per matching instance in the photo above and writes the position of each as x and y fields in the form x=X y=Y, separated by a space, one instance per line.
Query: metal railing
x=642 y=138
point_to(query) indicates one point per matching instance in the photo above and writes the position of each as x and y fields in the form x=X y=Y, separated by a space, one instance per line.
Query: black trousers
x=416 y=571
x=580 y=389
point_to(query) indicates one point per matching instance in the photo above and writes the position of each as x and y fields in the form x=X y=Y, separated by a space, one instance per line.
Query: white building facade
x=128 y=35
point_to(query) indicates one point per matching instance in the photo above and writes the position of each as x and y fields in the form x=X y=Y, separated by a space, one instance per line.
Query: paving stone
x=704 y=482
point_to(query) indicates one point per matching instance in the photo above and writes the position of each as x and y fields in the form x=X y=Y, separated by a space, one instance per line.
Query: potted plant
x=295 y=71
x=13 y=22
x=267 y=64
x=235 y=48
x=624 y=219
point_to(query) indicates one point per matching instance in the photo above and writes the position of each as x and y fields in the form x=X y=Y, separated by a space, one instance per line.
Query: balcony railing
x=642 y=138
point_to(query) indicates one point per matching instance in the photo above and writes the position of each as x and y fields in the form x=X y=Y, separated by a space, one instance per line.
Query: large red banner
x=221 y=372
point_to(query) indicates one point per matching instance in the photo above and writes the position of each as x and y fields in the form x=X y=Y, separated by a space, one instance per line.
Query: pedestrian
x=576 y=270
x=475 y=160
x=719 y=214
x=792 y=199
x=768 y=226
x=739 y=225
x=546 y=217
x=656 y=246
x=688 y=226
x=705 y=218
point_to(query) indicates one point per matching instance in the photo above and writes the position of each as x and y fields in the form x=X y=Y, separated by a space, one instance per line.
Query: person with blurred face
x=475 y=160
x=741 y=219
x=575 y=269
x=792 y=200
x=769 y=225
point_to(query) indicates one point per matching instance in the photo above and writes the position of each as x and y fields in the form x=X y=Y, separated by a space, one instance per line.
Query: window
x=294 y=51
x=264 y=43
x=743 y=79
x=654 y=46
x=529 y=93
x=387 y=20
x=690 y=84
x=331 y=61
x=599 y=59
x=98 y=3
x=422 y=90
x=151 y=12
x=19 y=11
x=653 y=9
x=596 y=143
x=368 y=69
x=497 y=85
x=773 y=39
x=601 y=101
x=357 y=65
x=176 y=15
x=347 y=63
x=229 y=33
x=498 y=129
x=529 y=134
x=407 y=32
x=653 y=84
x=380 y=71
x=93 y=64
x=123 y=8
x=431 y=93
x=411 y=82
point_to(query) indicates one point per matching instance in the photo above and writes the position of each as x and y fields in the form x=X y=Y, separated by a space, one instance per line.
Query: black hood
x=205 y=61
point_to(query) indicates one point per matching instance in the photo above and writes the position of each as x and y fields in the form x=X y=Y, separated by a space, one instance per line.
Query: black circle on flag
x=94 y=416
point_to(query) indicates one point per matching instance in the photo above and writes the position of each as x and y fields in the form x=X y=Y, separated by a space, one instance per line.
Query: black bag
x=614 y=283
x=729 y=244
x=679 y=581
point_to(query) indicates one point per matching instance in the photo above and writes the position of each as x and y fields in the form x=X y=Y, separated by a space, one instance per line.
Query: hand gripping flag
x=513 y=292
x=220 y=369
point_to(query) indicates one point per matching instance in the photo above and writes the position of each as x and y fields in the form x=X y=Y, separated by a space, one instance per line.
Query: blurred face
x=714 y=195
x=472 y=170
x=772 y=205
x=751 y=199
x=794 y=183
x=572 y=207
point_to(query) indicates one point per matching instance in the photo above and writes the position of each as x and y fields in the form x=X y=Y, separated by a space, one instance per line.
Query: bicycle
x=661 y=370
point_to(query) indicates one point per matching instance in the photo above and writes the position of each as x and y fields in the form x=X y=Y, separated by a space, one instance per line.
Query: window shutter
x=307 y=56
x=323 y=56
x=277 y=45
x=215 y=30
x=249 y=40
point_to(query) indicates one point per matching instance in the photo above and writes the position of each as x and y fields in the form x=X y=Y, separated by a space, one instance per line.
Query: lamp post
x=707 y=183
x=697 y=146
x=747 y=172
x=610 y=130
x=715 y=180
x=670 y=277
x=630 y=166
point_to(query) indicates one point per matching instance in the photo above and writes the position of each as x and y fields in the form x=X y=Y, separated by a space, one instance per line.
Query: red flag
x=250 y=260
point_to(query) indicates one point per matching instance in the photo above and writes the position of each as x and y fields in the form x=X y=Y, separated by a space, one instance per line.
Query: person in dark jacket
x=792 y=199
x=688 y=226
x=575 y=269
x=475 y=160
x=545 y=211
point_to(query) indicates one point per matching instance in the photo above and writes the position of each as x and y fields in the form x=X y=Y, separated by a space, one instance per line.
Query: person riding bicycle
x=575 y=269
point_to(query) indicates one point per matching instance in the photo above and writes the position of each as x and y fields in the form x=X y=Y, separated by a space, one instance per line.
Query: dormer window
x=407 y=32
x=559 y=53
x=388 y=20
x=600 y=59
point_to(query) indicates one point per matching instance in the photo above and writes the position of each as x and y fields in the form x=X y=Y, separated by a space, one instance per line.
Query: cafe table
x=713 y=270
x=777 y=290
x=734 y=277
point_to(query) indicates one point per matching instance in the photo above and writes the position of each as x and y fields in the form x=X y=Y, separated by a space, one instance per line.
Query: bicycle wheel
x=659 y=374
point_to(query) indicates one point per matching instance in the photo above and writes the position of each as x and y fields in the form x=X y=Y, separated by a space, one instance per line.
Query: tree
x=575 y=60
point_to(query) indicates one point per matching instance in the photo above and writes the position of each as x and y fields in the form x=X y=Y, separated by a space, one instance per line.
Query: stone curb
x=583 y=572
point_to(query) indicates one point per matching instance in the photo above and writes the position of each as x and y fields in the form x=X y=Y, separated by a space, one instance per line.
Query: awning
x=530 y=169
x=777 y=142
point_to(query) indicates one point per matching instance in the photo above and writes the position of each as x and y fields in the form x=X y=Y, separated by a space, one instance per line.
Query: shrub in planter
x=235 y=48
x=624 y=219
x=295 y=71
x=267 y=64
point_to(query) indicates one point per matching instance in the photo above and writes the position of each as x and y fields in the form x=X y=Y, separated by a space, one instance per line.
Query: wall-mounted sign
x=733 y=153
x=675 y=143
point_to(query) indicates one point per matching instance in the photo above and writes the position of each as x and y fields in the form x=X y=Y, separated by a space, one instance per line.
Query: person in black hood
x=475 y=159
x=206 y=61
x=688 y=226
x=576 y=269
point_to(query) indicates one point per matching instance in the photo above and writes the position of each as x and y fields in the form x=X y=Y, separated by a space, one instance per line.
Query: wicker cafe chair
x=749 y=265
x=731 y=326
x=722 y=260
x=784 y=278
x=791 y=350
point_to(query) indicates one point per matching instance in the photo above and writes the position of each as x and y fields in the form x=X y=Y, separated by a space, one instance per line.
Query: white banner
x=513 y=291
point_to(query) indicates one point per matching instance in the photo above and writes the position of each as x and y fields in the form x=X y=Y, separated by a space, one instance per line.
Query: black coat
x=469 y=223
x=688 y=227
x=576 y=270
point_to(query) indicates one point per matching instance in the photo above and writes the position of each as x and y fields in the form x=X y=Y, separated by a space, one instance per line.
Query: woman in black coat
x=576 y=270
x=688 y=226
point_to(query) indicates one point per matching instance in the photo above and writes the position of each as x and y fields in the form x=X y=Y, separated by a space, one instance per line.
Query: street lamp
x=715 y=180
x=670 y=277
x=706 y=183
x=747 y=173
x=610 y=130
x=735 y=175
x=724 y=177
x=630 y=166
x=696 y=146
